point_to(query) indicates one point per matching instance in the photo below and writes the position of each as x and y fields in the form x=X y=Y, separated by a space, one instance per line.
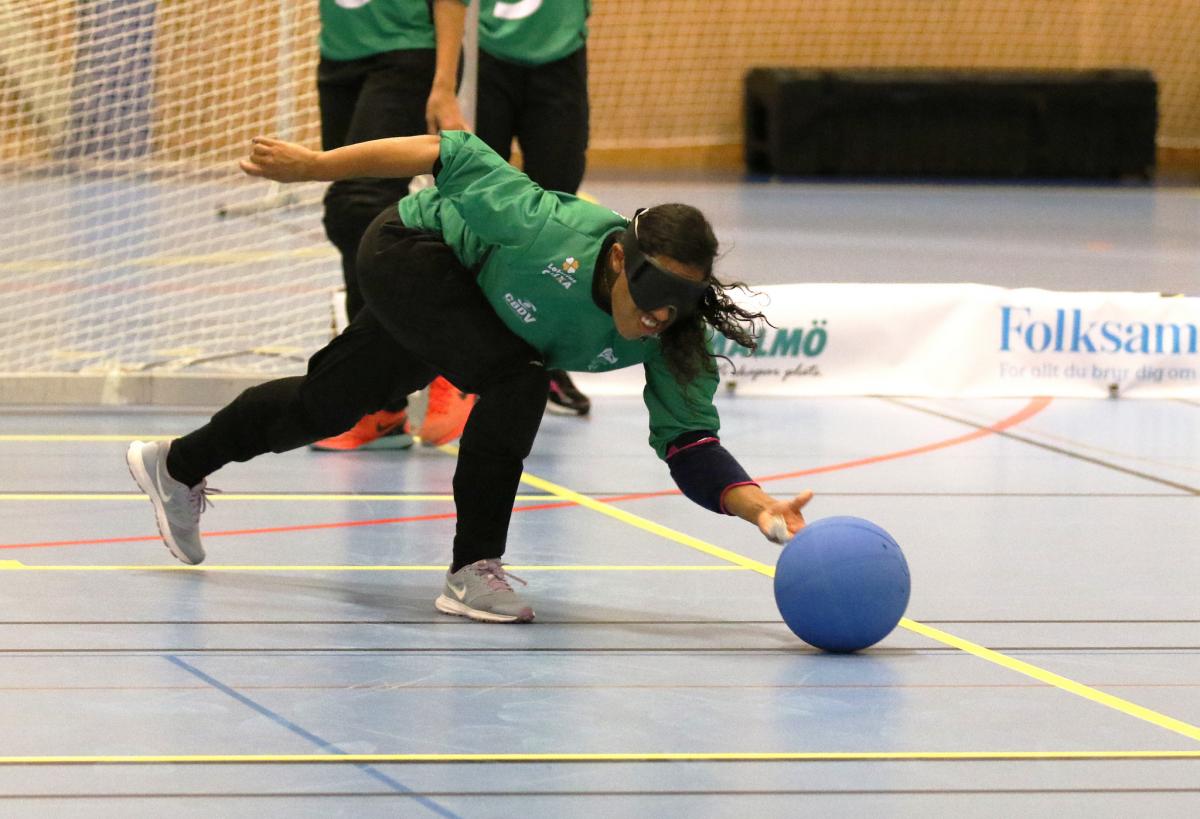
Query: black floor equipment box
x=930 y=123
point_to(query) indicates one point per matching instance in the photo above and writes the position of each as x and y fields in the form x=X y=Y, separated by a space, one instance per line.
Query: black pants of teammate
x=424 y=315
x=380 y=96
x=545 y=107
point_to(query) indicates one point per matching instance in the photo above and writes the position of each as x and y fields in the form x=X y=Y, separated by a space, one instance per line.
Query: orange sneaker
x=379 y=430
x=446 y=415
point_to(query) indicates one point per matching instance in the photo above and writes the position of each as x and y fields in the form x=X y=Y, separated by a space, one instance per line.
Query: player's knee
x=506 y=419
x=525 y=377
x=282 y=414
x=322 y=415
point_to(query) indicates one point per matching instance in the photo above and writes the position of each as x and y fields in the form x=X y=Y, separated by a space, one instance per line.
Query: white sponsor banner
x=958 y=340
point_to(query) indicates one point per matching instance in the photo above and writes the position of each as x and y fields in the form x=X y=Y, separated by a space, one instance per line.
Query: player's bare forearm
x=442 y=111
x=449 y=20
x=396 y=157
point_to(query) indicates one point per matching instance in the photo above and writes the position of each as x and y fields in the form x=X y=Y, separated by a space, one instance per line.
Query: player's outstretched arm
x=396 y=157
x=778 y=520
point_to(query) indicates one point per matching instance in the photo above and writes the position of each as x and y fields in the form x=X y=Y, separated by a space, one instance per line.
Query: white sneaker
x=176 y=507
x=481 y=591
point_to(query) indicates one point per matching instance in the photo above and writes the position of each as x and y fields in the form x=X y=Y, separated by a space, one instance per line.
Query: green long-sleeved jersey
x=533 y=32
x=351 y=29
x=536 y=252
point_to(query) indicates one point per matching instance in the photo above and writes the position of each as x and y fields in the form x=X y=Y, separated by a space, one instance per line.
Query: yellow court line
x=240 y=496
x=749 y=756
x=18 y=566
x=646 y=525
x=1029 y=670
x=1050 y=678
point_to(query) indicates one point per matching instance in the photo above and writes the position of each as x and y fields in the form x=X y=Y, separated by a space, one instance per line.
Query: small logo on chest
x=564 y=274
x=522 y=307
x=605 y=356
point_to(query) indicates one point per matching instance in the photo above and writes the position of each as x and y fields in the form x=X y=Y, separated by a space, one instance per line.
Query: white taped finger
x=779 y=530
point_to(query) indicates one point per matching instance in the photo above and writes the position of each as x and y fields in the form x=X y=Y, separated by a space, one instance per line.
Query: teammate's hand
x=442 y=112
x=279 y=160
x=781 y=520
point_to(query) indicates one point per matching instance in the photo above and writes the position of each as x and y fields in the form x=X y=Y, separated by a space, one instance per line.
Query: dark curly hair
x=682 y=233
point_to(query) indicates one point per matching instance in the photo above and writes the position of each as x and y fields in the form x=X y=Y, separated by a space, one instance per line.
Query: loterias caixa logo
x=782 y=353
x=1124 y=345
x=564 y=274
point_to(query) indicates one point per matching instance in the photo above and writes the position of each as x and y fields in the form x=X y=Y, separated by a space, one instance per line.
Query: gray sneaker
x=176 y=507
x=481 y=591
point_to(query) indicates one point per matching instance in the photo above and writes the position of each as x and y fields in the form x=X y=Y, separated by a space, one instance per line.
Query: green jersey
x=351 y=29
x=536 y=252
x=533 y=32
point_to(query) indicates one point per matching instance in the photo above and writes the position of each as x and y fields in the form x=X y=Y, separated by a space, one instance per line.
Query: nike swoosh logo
x=459 y=592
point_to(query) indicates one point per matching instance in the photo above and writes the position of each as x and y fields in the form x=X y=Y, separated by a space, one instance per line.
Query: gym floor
x=1049 y=664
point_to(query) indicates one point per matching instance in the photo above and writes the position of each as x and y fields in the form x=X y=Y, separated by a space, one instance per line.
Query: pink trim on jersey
x=732 y=486
x=673 y=451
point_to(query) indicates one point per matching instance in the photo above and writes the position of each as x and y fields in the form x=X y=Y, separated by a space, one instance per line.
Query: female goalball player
x=489 y=280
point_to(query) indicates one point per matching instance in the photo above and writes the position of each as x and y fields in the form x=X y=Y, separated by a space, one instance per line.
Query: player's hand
x=442 y=112
x=781 y=520
x=279 y=160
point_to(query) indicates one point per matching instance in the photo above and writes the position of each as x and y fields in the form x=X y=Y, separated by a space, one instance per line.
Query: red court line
x=308 y=527
x=1031 y=409
x=227 y=533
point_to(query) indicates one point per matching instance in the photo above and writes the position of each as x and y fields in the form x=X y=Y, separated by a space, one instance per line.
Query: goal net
x=131 y=240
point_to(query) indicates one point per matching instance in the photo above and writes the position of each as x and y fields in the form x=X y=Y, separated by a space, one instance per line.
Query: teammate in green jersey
x=532 y=86
x=387 y=68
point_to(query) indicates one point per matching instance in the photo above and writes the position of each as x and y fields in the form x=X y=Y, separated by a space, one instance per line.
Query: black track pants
x=425 y=315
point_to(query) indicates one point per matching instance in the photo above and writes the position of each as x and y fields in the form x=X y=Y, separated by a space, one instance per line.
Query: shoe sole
x=137 y=470
x=448 y=605
x=387 y=442
x=391 y=442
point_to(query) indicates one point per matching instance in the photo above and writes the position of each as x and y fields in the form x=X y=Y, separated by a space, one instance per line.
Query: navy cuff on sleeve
x=704 y=470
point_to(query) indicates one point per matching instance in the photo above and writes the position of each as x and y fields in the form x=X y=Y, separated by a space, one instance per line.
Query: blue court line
x=323 y=744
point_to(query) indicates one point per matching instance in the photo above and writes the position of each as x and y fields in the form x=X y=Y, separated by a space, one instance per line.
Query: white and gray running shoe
x=482 y=592
x=176 y=507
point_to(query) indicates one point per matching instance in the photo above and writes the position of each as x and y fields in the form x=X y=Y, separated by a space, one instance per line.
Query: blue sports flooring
x=1049 y=665
x=1051 y=662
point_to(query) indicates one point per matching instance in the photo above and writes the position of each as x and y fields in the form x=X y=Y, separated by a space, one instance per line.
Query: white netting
x=120 y=121
x=131 y=241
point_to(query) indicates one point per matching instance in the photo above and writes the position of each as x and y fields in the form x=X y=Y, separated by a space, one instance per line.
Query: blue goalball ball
x=842 y=584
